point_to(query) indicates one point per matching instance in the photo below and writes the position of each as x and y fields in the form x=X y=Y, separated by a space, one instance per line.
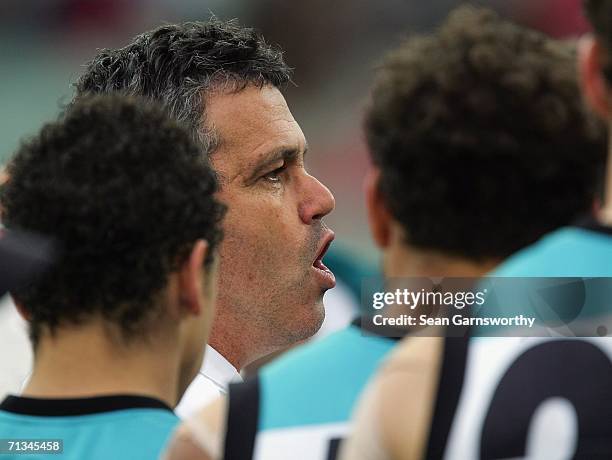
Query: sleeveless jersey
x=98 y=428
x=299 y=407
x=521 y=397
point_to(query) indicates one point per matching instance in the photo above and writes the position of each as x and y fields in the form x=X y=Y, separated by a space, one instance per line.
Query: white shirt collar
x=218 y=370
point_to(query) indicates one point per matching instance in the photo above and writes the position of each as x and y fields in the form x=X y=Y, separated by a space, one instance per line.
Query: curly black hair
x=179 y=64
x=125 y=192
x=481 y=136
x=599 y=13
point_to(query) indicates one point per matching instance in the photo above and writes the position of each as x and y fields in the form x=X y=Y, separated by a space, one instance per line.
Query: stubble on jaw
x=270 y=309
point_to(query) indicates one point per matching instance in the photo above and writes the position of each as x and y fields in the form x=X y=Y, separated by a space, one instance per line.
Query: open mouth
x=324 y=274
x=318 y=263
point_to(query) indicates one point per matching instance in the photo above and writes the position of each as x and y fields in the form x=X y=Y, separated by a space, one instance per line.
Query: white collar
x=218 y=370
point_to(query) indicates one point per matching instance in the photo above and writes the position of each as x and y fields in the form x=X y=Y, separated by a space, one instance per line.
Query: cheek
x=265 y=241
x=263 y=245
x=257 y=238
x=259 y=222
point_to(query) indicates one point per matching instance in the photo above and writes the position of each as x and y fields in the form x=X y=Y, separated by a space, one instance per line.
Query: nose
x=317 y=201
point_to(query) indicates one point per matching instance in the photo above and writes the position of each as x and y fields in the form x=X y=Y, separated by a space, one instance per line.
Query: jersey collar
x=78 y=406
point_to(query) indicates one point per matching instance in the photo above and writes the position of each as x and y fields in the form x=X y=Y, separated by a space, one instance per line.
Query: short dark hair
x=176 y=64
x=481 y=136
x=599 y=13
x=125 y=192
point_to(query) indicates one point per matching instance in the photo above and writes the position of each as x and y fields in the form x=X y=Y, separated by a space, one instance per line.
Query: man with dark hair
x=514 y=397
x=22 y=256
x=474 y=132
x=224 y=81
x=119 y=322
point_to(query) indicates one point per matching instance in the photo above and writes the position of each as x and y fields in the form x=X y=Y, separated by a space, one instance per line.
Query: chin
x=311 y=321
x=303 y=325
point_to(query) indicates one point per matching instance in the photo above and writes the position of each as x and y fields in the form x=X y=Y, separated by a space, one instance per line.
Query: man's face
x=272 y=280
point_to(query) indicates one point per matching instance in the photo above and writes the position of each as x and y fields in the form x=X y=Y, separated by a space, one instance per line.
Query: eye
x=274 y=176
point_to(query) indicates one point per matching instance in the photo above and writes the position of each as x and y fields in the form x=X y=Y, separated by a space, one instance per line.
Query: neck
x=223 y=338
x=88 y=360
x=606 y=211
x=407 y=261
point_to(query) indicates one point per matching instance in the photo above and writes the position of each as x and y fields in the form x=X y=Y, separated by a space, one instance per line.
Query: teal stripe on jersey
x=572 y=251
x=319 y=382
x=569 y=252
x=130 y=434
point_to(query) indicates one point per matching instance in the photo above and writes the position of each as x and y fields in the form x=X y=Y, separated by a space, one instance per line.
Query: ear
x=191 y=279
x=593 y=82
x=378 y=214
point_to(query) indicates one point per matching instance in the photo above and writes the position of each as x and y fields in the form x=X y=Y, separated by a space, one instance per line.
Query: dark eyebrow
x=284 y=154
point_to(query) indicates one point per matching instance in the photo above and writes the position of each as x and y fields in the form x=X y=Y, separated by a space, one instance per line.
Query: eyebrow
x=284 y=153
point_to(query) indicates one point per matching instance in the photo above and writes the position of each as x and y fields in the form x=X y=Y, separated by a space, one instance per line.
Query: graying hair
x=181 y=65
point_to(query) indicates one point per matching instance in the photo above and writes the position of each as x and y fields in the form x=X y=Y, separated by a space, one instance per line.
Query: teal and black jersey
x=299 y=407
x=98 y=428
x=532 y=397
x=583 y=251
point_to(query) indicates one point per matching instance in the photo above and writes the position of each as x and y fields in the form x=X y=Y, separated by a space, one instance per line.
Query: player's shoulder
x=582 y=250
x=337 y=354
x=137 y=433
x=320 y=382
x=412 y=352
x=400 y=399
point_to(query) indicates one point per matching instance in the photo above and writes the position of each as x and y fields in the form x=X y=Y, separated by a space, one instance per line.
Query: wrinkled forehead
x=251 y=123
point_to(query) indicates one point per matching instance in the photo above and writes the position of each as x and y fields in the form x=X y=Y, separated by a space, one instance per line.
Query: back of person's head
x=125 y=193
x=180 y=64
x=480 y=137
